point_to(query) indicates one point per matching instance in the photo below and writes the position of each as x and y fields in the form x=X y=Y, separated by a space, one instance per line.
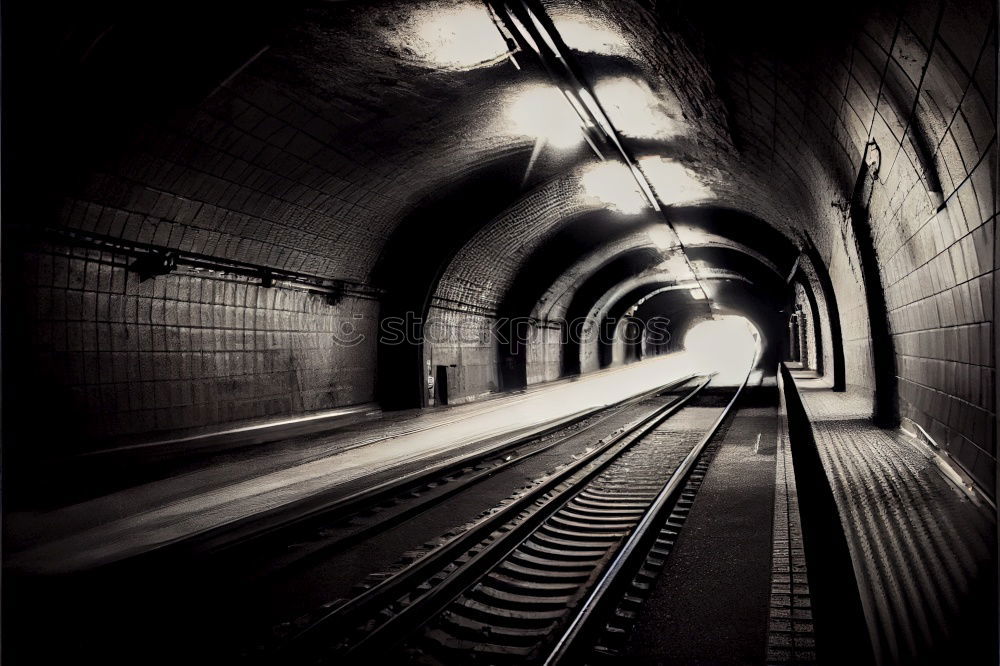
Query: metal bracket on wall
x=151 y=261
x=156 y=262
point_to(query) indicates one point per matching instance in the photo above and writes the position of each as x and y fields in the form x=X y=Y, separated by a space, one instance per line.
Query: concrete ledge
x=790 y=631
x=260 y=432
x=923 y=554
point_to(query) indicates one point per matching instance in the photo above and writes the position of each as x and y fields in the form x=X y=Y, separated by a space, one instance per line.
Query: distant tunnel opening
x=728 y=345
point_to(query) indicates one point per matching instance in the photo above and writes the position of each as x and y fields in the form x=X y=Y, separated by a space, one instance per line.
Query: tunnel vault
x=334 y=167
x=412 y=263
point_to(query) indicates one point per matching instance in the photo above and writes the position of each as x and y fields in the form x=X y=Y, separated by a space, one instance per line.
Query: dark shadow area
x=886 y=409
x=413 y=261
x=841 y=634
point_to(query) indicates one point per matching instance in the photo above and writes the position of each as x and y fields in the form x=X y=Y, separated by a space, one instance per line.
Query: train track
x=525 y=582
x=321 y=527
x=244 y=580
x=327 y=522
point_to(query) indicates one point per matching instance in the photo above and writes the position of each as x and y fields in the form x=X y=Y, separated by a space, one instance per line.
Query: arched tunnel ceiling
x=284 y=154
x=308 y=161
x=393 y=151
x=300 y=159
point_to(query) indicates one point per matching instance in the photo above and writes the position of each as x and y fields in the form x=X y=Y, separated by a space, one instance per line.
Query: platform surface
x=139 y=519
x=921 y=549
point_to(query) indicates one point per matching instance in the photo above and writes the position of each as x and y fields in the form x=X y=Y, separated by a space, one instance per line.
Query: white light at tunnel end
x=726 y=344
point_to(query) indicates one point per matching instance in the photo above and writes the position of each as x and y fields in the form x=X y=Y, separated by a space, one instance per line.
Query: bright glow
x=524 y=32
x=644 y=186
x=633 y=108
x=460 y=37
x=612 y=184
x=726 y=345
x=595 y=111
x=661 y=237
x=698 y=294
x=585 y=34
x=677 y=266
x=545 y=34
x=544 y=112
x=672 y=182
x=580 y=111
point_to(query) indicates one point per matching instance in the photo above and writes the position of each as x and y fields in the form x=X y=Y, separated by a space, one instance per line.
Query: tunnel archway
x=729 y=297
x=612 y=273
x=412 y=263
x=579 y=237
x=820 y=285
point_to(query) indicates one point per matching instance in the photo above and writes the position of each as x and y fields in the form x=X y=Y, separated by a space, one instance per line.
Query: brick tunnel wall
x=922 y=84
x=255 y=172
x=123 y=357
x=463 y=310
x=546 y=342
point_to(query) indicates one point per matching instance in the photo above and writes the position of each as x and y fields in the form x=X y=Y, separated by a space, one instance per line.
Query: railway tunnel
x=527 y=331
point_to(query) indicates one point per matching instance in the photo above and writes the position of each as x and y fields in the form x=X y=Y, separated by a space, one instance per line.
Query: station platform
x=919 y=542
x=254 y=480
x=916 y=543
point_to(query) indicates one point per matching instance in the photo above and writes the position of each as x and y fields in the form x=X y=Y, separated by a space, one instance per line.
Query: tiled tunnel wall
x=937 y=258
x=922 y=84
x=314 y=176
x=255 y=172
x=125 y=357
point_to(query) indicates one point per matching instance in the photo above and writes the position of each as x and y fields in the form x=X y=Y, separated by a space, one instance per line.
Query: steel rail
x=635 y=546
x=392 y=489
x=385 y=592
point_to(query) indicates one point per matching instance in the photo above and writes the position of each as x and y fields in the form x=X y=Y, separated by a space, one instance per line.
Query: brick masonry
x=308 y=161
x=125 y=357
